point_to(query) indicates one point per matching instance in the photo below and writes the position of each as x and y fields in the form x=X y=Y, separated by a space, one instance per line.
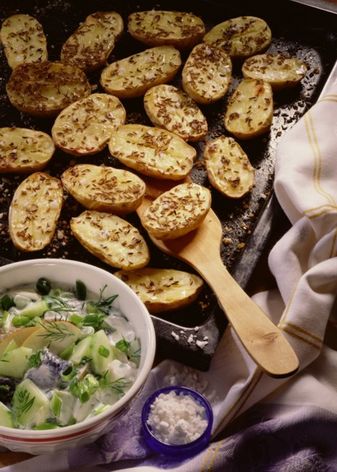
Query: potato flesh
x=104 y=188
x=155 y=27
x=46 y=88
x=91 y=44
x=207 y=73
x=228 y=167
x=240 y=37
x=111 y=238
x=24 y=150
x=276 y=69
x=163 y=289
x=172 y=109
x=250 y=109
x=86 y=126
x=34 y=211
x=133 y=75
x=177 y=211
x=152 y=151
x=23 y=40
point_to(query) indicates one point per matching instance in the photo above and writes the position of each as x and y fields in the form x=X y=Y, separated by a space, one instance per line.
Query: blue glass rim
x=190 y=448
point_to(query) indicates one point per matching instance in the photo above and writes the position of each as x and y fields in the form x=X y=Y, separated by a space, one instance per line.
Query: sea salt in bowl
x=177 y=421
x=66 y=272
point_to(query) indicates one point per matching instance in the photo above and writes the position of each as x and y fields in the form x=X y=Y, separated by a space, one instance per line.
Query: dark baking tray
x=309 y=34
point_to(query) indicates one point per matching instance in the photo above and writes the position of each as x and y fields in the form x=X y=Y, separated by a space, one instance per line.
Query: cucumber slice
x=34 y=309
x=82 y=410
x=81 y=350
x=101 y=353
x=30 y=405
x=5 y=416
x=62 y=406
x=14 y=363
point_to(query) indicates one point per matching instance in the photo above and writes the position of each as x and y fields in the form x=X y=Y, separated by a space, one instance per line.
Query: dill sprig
x=24 y=402
x=55 y=331
x=57 y=304
x=103 y=304
x=118 y=386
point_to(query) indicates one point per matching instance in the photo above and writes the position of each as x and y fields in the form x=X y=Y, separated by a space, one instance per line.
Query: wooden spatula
x=263 y=340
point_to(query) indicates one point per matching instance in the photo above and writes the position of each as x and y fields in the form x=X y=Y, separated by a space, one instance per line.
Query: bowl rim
x=88 y=423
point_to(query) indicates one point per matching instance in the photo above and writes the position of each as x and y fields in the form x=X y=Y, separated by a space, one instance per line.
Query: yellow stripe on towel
x=301 y=334
x=313 y=141
x=320 y=211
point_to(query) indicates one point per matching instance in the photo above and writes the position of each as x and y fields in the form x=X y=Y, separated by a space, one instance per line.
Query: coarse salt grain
x=176 y=419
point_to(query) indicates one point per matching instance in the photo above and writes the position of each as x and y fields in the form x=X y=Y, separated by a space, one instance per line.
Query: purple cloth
x=267 y=438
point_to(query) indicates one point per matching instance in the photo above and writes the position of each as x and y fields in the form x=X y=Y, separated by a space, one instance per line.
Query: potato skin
x=23 y=40
x=93 y=41
x=34 y=211
x=132 y=76
x=278 y=70
x=228 y=167
x=240 y=37
x=170 y=108
x=177 y=212
x=24 y=150
x=111 y=238
x=30 y=99
x=207 y=73
x=151 y=151
x=163 y=290
x=159 y=27
x=250 y=109
x=85 y=127
x=103 y=188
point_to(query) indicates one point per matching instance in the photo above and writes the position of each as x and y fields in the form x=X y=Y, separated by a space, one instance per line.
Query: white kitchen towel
x=304 y=264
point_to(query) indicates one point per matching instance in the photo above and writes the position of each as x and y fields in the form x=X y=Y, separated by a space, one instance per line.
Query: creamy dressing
x=81 y=355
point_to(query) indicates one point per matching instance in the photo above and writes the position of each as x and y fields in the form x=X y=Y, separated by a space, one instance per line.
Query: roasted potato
x=155 y=187
x=243 y=36
x=111 y=239
x=172 y=109
x=163 y=289
x=280 y=71
x=250 y=109
x=207 y=73
x=152 y=151
x=23 y=40
x=91 y=44
x=85 y=127
x=177 y=211
x=24 y=150
x=134 y=75
x=34 y=211
x=157 y=27
x=44 y=89
x=228 y=167
x=104 y=188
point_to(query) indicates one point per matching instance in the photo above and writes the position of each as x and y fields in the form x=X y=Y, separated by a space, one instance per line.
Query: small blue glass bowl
x=186 y=450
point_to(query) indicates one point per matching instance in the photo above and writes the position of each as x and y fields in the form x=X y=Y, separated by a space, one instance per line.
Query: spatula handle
x=264 y=341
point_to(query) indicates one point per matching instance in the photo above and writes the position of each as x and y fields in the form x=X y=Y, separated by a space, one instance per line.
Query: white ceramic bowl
x=66 y=272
